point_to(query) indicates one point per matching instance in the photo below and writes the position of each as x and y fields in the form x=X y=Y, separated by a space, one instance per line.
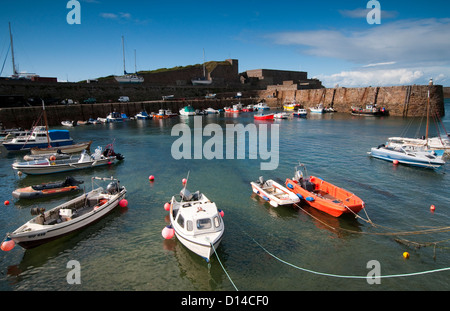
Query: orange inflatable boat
x=323 y=195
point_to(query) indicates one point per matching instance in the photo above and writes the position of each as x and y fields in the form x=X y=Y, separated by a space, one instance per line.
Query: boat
x=129 y=78
x=10 y=134
x=433 y=143
x=261 y=106
x=236 y=108
x=168 y=97
x=69 y=123
x=80 y=122
x=274 y=193
x=264 y=116
x=114 y=117
x=369 y=111
x=69 y=185
x=187 y=111
x=70 y=216
x=409 y=155
x=169 y=113
x=75 y=148
x=143 y=115
x=39 y=138
x=102 y=120
x=281 y=115
x=210 y=96
x=202 y=80
x=211 y=111
x=318 y=109
x=301 y=113
x=53 y=156
x=94 y=121
x=323 y=195
x=197 y=222
x=47 y=166
x=290 y=106
x=248 y=108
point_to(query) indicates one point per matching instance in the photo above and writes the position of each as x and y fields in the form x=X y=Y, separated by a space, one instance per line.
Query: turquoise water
x=126 y=251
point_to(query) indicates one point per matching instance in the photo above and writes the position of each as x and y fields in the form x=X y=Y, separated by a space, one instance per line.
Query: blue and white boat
x=114 y=117
x=301 y=113
x=317 y=109
x=39 y=138
x=143 y=115
x=409 y=155
x=261 y=106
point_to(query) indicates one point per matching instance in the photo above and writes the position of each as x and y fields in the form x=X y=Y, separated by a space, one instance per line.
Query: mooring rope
x=345 y=276
x=223 y=268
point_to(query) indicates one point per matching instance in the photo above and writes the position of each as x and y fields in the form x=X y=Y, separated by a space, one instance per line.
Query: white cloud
x=362 y=13
x=406 y=41
x=383 y=77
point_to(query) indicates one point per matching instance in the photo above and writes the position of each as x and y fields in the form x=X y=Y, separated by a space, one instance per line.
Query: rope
x=217 y=255
x=346 y=276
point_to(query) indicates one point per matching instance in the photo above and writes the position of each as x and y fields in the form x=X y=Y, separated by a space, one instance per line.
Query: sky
x=331 y=40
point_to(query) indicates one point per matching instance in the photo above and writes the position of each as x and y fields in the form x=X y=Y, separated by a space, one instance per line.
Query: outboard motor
x=112 y=187
x=261 y=180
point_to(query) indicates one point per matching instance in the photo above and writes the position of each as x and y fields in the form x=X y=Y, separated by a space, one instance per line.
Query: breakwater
x=404 y=101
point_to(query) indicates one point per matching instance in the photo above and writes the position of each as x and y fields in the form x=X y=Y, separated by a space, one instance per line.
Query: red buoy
x=184 y=181
x=168 y=232
x=167 y=206
x=432 y=208
x=123 y=203
x=7 y=245
x=151 y=178
x=395 y=162
x=6 y=202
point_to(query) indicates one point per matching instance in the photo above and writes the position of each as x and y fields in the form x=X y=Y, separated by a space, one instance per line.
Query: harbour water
x=264 y=248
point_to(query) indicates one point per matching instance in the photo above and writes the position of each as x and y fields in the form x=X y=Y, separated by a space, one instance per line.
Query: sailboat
x=203 y=80
x=129 y=78
x=438 y=143
x=404 y=151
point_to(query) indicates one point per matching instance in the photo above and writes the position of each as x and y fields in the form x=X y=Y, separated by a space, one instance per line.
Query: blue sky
x=331 y=40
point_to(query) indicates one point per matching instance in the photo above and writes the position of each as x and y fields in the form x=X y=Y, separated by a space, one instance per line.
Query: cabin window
x=216 y=221
x=204 y=223
x=180 y=221
x=189 y=225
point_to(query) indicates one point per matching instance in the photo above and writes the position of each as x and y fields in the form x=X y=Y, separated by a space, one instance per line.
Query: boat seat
x=307 y=185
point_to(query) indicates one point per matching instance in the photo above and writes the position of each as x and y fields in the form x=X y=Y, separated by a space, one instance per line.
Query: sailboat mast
x=428 y=109
x=135 y=68
x=46 y=124
x=12 y=50
x=123 y=52
x=204 y=60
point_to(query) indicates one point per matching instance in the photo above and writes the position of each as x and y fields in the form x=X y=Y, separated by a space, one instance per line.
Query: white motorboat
x=187 y=111
x=69 y=123
x=47 y=166
x=282 y=115
x=274 y=193
x=211 y=111
x=197 y=223
x=301 y=113
x=317 y=109
x=69 y=217
x=114 y=117
x=40 y=138
x=409 y=155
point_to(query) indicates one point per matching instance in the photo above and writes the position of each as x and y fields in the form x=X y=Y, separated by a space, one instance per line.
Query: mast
x=123 y=50
x=135 y=68
x=428 y=109
x=12 y=50
x=204 y=68
x=46 y=124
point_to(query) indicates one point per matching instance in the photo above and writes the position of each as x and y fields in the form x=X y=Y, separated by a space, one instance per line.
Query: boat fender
x=310 y=199
x=265 y=198
x=300 y=196
x=290 y=186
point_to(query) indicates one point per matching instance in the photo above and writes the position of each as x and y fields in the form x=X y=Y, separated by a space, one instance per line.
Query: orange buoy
x=406 y=255
x=7 y=245
x=432 y=208
x=6 y=202
x=52 y=158
x=395 y=162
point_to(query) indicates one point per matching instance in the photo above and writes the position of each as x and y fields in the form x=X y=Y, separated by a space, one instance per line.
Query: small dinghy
x=323 y=195
x=68 y=217
x=48 y=189
x=197 y=223
x=274 y=193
